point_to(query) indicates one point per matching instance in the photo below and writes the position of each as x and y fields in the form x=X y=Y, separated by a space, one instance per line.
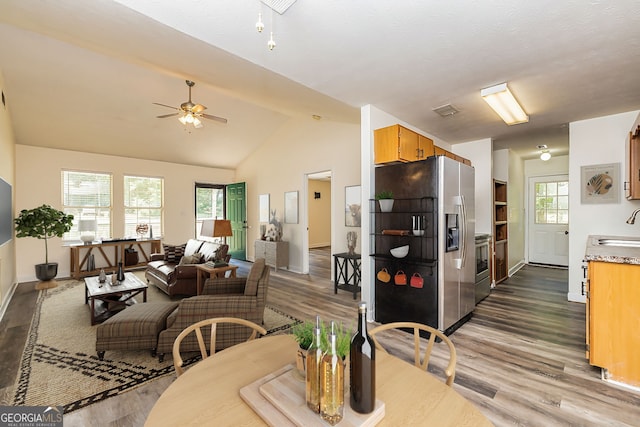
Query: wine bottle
x=120 y=275
x=331 y=383
x=363 y=366
x=314 y=358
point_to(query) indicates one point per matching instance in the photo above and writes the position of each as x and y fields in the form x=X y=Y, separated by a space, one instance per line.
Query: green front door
x=237 y=214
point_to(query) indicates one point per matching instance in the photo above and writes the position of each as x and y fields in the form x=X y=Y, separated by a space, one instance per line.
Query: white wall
x=7 y=172
x=516 y=212
x=300 y=147
x=38 y=175
x=481 y=156
x=591 y=142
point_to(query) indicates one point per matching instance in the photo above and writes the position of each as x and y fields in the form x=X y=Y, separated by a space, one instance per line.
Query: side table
x=212 y=272
x=346 y=273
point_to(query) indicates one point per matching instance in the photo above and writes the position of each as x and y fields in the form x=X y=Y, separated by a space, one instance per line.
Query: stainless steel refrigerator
x=441 y=190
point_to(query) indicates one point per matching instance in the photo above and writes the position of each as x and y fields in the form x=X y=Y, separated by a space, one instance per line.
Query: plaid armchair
x=243 y=297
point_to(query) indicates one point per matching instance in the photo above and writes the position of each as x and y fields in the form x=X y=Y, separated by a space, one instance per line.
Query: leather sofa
x=174 y=271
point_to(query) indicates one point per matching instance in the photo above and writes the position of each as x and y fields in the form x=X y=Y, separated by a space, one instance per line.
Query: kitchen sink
x=626 y=243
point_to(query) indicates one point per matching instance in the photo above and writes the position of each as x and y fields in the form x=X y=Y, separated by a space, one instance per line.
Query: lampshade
x=216 y=228
x=499 y=98
x=87 y=225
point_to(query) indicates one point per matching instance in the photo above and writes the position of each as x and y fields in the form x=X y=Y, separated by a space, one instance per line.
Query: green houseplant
x=385 y=199
x=303 y=334
x=43 y=222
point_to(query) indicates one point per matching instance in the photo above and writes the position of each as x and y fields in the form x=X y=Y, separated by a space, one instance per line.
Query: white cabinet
x=276 y=254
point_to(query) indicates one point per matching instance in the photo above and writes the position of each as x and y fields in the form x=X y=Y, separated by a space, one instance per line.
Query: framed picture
x=352 y=206
x=600 y=184
x=291 y=207
x=263 y=202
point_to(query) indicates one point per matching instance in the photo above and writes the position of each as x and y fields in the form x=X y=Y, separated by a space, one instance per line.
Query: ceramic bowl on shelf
x=400 y=251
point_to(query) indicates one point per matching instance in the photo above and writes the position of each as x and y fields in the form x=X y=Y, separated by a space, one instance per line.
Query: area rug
x=59 y=365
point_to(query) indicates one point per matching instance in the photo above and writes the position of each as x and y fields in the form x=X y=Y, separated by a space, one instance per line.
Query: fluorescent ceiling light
x=502 y=101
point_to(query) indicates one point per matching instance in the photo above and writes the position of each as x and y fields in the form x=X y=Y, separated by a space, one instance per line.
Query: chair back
x=197 y=329
x=421 y=361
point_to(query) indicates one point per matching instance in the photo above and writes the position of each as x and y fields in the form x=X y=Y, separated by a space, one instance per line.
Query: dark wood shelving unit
x=500 y=232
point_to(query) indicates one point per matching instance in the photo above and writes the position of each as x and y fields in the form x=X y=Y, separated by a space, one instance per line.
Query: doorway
x=319 y=219
x=549 y=220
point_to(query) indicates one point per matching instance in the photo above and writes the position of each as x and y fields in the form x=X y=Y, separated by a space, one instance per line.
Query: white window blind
x=87 y=195
x=143 y=204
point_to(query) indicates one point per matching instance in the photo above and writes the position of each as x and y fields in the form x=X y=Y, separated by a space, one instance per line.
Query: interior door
x=549 y=220
x=237 y=214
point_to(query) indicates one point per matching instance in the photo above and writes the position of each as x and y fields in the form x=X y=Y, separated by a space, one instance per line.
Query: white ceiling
x=83 y=75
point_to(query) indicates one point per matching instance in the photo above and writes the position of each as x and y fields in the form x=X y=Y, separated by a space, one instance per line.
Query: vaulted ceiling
x=84 y=75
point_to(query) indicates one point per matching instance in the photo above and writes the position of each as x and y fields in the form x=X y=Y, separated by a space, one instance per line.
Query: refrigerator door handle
x=463 y=232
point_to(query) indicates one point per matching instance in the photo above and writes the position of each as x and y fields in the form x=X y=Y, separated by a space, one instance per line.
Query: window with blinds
x=87 y=195
x=143 y=204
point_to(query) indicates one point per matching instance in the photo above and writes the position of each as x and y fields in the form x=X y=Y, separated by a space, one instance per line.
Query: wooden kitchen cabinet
x=275 y=254
x=613 y=307
x=633 y=190
x=399 y=144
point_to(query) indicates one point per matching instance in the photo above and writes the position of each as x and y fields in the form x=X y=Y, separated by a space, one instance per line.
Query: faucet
x=632 y=218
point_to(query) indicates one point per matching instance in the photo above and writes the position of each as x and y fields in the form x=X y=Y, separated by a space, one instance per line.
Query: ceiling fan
x=189 y=112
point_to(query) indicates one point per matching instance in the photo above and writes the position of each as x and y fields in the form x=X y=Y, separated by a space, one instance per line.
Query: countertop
x=618 y=254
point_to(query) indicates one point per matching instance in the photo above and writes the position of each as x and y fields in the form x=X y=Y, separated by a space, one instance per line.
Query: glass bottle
x=331 y=383
x=103 y=276
x=362 y=366
x=314 y=358
x=120 y=275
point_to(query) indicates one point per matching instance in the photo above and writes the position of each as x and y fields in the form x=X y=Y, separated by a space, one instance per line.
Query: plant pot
x=301 y=363
x=45 y=272
x=386 y=205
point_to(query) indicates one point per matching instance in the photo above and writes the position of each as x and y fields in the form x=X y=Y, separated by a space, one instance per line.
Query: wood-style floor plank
x=520 y=357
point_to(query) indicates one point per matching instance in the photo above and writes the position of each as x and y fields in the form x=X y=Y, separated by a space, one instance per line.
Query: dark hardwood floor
x=520 y=357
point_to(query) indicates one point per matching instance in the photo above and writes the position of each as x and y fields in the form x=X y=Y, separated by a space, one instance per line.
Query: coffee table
x=212 y=272
x=106 y=299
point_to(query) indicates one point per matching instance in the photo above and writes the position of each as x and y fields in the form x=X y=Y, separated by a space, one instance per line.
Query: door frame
x=528 y=202
x=305 y=216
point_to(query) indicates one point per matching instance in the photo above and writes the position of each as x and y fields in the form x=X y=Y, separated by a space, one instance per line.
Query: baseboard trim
x=7 y=300
x=576 y=297
x=513 y=270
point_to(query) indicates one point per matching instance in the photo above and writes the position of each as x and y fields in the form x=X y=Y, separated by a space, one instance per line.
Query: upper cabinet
x=633 y=190
x=396 y=143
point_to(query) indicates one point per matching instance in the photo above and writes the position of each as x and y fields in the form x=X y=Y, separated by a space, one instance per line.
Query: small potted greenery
x=385 y=198
x=43 y=222
x=303 y=334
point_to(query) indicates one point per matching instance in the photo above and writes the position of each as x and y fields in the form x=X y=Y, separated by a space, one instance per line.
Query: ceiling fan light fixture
x=197 y=123
x=259 y=24
x=271 y=44
x=183 y=120
x=500 y=98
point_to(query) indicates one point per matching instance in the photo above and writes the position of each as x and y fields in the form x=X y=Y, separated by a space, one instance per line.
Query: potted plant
x=43 y=222
x=385 y=198
x=303 y=334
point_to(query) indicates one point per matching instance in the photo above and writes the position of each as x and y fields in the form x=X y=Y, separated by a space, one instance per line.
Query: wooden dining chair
x=421 y=362
x=213 y=323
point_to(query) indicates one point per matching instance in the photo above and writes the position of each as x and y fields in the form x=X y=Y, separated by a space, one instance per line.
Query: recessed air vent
x=446 y=110
x=279 y=6
x=542 y=146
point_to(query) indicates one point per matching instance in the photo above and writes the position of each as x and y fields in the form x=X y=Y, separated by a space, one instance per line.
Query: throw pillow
x=196 y=258
x=173 y=253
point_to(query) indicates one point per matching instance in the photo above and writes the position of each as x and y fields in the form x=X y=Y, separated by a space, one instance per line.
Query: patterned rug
x=59 y=364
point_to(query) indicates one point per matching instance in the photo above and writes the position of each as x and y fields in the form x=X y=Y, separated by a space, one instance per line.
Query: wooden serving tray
x=279 y=398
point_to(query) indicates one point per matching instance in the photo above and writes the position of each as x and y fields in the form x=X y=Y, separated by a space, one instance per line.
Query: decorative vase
x=103 y=276
x=352 y=238
x=386 y=205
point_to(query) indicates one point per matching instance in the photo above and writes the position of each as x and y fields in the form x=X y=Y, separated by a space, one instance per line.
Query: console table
x=342 y=277
x=109 y=254
x=275 y=254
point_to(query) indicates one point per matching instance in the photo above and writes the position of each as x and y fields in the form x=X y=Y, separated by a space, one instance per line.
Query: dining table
x=208 y=393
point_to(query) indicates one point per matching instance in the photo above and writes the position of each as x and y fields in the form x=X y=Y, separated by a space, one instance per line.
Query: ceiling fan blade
x=198 y=108
x=210 y=117
x=164 y=105
x=168 y=115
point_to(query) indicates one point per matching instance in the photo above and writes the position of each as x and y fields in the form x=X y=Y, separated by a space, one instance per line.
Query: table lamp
x=216 y=228
x=87 y=228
